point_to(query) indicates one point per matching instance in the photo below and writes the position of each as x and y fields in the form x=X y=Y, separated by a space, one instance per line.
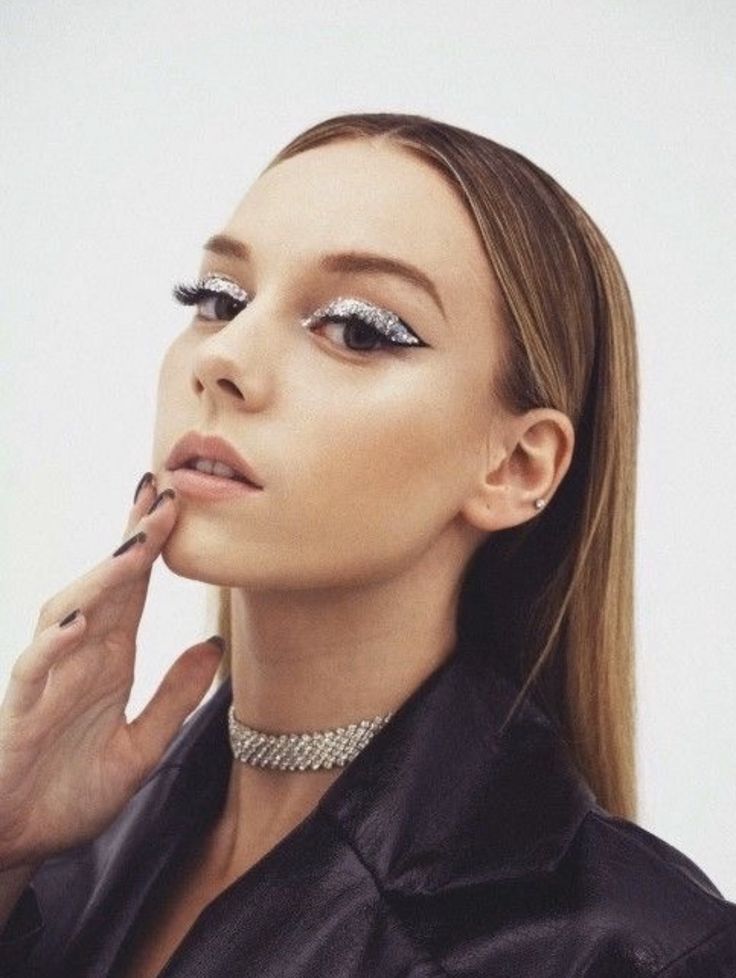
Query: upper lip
x=195 y=445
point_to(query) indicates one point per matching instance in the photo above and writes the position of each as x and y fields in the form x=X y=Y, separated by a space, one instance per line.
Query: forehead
x=368 y=196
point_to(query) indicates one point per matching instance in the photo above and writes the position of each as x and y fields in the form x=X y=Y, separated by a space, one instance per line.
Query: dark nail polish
x=219 y=641
x=145 y=479
x=69 y=618
x=136 y=538
x=166 y=494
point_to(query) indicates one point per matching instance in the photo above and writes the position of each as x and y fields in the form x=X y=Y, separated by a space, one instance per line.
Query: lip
x=199 y=485
x=194 y=444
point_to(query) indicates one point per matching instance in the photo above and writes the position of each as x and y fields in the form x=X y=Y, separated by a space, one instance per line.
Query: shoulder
x=630 y=904
x=650 y=898
x=620 y=902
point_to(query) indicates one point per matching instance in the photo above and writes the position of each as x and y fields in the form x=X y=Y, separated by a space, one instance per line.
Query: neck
x=304 y=661
x=309 y=660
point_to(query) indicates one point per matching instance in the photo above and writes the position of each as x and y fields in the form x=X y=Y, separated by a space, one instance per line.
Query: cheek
x=394 y=453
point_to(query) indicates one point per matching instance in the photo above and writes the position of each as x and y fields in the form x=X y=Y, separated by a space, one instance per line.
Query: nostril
x=229 y=386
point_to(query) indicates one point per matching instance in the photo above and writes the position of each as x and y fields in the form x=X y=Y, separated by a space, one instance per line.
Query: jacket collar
x=437 y=799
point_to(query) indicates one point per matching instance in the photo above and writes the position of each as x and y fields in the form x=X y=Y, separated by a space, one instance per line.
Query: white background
x=130 y=131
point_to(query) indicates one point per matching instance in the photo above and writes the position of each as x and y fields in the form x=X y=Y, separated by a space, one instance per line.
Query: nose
x=235 y=362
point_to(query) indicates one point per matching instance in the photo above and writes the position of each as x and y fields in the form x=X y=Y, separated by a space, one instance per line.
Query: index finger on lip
x=146 y=479
x=145 y=493
x=149 y=528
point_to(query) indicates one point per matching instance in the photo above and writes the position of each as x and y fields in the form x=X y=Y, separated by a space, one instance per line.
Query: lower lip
x=199 y=485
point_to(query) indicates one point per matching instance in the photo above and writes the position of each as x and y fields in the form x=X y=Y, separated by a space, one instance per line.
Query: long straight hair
x=552 y=599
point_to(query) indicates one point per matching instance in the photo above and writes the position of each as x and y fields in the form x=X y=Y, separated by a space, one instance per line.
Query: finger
x=181 y=689
x=104 y=590
x=132 y=609
x=31 y=669
x=143 y=495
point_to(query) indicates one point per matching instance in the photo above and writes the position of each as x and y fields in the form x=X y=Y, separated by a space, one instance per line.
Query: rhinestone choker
x=304 y=751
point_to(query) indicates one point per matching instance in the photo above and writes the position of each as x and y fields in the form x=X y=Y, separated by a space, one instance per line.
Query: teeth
x=215 y=468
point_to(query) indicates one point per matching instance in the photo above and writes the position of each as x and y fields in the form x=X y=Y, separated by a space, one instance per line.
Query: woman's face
x=366 y=453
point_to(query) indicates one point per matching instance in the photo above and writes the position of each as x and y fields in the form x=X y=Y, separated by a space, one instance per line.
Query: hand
x=69 y=760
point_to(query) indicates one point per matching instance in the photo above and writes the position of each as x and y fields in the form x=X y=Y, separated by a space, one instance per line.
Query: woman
x=410 y=389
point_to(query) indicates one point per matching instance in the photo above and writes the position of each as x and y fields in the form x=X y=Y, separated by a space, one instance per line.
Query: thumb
x=178 y=694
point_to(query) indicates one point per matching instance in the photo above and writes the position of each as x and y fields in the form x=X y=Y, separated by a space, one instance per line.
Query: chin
x=185 y=556
x=209 y=559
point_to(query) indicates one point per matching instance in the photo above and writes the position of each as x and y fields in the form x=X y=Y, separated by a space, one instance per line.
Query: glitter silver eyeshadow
x=387 y=323
x=215 y=283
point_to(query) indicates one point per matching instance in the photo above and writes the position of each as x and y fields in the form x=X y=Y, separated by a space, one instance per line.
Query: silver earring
x=539 y=503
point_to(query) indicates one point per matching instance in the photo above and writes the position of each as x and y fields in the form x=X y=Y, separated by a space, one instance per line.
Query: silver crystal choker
x=301 y=751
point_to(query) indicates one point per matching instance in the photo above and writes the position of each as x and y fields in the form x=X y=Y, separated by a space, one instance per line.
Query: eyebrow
x=342 y=261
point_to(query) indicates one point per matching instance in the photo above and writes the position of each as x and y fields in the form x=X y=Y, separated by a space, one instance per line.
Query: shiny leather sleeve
x=713 y=957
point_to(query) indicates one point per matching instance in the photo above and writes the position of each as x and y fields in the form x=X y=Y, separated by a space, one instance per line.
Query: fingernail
x=145 y=479
x=69 y=618
x=219 y=641
x=136 y=538
x=166 y=494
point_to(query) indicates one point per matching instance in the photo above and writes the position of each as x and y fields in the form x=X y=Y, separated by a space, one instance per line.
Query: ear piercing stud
x=539 y=503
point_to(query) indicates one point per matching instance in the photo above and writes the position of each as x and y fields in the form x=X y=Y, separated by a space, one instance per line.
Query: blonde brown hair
x=552 y=599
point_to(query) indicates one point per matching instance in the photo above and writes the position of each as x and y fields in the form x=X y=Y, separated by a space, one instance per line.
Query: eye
x=365 y=327
x=216 y=298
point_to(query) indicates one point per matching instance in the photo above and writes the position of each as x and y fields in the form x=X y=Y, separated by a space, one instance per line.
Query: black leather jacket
x=441 y=850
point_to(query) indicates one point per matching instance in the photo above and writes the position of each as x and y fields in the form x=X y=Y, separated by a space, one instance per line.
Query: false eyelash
x=188 y=295
x=212 y=285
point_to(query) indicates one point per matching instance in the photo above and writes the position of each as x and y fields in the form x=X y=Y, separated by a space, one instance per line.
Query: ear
x=528 y=461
